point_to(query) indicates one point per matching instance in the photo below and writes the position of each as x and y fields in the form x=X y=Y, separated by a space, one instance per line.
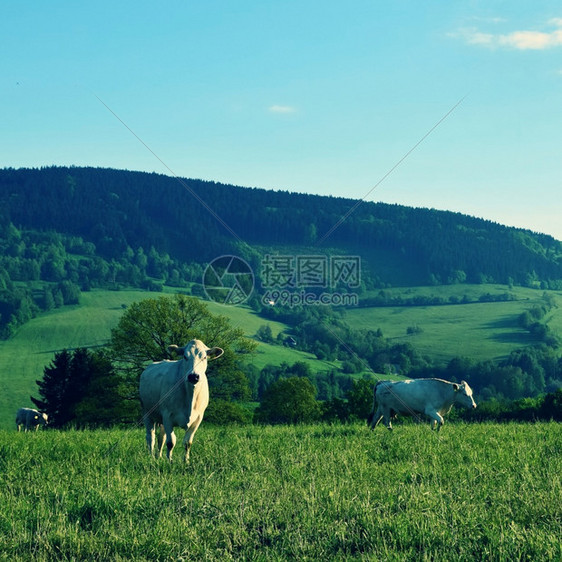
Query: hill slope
x=24 y=356
x=197 y=221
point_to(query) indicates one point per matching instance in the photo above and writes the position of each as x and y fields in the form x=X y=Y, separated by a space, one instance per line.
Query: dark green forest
x=120 y=212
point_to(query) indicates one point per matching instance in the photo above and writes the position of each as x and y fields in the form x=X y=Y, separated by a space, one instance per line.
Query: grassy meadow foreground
x=321 y=492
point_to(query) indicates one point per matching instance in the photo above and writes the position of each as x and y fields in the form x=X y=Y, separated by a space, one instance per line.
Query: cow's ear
x=456 y=386
x=175 y=349
x=214 y=352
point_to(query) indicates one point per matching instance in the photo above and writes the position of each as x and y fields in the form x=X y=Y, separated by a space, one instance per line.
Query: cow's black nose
x=193 y=378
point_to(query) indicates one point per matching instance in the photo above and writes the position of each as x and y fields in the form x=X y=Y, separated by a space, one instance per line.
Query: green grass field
x=23 y=357
x=470 y=492
x=480 y=331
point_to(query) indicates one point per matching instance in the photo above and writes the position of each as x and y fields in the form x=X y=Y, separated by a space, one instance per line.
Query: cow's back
x=155 y=380
x=21 y=416
x=413 y=395
x=400 y=396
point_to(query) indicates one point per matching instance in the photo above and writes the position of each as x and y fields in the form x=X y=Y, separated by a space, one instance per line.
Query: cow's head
x=195 y=355
x=38 y=418
x=463 y=395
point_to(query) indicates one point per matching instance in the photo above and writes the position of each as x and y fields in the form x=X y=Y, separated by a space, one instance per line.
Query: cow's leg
x=189 y=434
x=161 y=440
x=371 y=419
x=387 y=416
x=149 y=435
x=187 y=450
x=170 y=439
x=376 y=418
x=436 y=418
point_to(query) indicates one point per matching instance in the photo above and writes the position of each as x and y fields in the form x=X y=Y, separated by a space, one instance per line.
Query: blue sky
x=318 y=97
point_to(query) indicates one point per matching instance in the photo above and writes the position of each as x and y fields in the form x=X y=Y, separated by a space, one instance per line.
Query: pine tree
x=52 y=388
x=64 y=385
x=81 y=387
x=107 y=399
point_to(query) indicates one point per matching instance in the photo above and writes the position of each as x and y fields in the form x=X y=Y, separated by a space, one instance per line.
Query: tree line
x=545 y=407
x=99 y=387
x=82 y=388
x=383 y=298
x=40 y=271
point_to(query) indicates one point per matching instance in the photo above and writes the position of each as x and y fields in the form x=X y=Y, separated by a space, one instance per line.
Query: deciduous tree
x=148 y=327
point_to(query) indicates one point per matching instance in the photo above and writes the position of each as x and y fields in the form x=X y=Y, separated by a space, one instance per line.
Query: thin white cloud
x=534 y=40
x=522 y=40
x=282 y=109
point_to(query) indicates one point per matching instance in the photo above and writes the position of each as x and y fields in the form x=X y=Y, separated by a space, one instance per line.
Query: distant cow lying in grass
x=176 y=393
x=432 y=397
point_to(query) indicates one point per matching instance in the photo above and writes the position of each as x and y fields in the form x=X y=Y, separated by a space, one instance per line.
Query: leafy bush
x=291 y=400
x=223 y=412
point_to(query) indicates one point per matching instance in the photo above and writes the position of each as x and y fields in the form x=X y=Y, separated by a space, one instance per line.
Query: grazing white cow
x=432 y=397
x=30 y=419
x=176 y=394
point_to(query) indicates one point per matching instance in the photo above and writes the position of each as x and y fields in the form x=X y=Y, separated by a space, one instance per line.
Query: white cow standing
x=176 y=393
x=432 y=397
x=30 y=419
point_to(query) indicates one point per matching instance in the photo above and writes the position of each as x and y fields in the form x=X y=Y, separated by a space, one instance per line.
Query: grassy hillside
x=480 y=330
x=23 y=358
x=471 y=492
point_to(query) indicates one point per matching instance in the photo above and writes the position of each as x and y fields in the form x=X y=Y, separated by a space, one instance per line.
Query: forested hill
x=119 y=210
